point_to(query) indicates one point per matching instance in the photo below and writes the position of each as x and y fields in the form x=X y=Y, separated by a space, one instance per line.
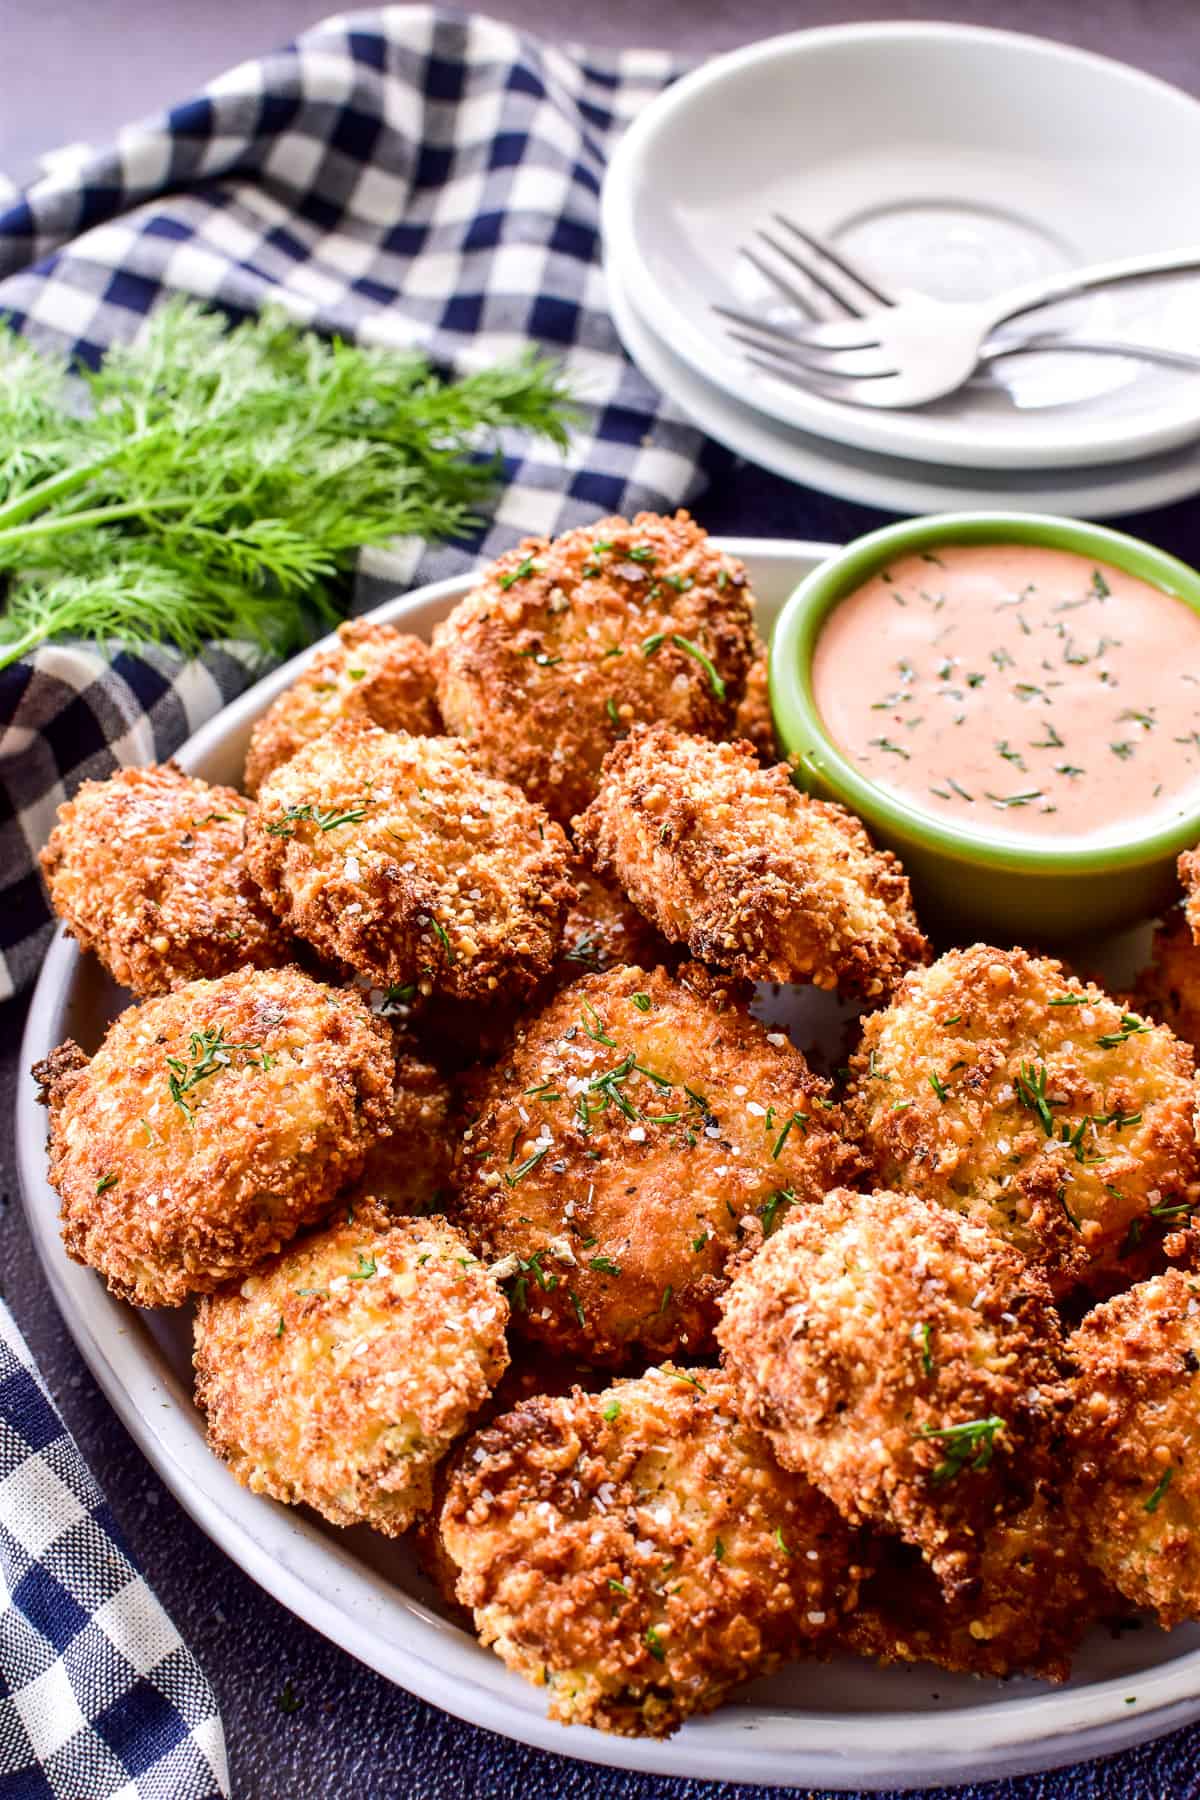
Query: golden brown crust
x=638 y=1553
x=1189 y=874
x=341 y=1373
x=564 y=645
x=904 y=1360
x=408 y=1169
x=210 y=1126
x=631 y=1138
x=731 y=860
x=373 y=673
x=147 y=870
x=1033 y=1601
x=754 y=720
x=397 y=857
x=604 y=930
x=1030 y=1101
x=1135 y=1487
x=1168 y=990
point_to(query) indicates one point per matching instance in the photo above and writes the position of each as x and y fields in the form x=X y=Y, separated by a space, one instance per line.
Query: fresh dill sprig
x=207 y=482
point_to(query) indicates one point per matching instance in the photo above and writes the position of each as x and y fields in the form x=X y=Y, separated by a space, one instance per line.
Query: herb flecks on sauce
x=1085 y=680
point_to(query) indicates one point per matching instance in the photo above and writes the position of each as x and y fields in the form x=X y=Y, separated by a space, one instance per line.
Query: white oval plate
x=844 y=1724
x=949 y=158
x=888 y=482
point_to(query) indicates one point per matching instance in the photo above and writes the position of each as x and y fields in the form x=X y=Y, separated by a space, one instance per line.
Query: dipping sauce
x=1023 y=691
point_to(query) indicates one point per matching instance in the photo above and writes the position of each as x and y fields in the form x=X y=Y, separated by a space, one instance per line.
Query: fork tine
x=829 y=387
x=836 y=257
x=810 y=267
x=790 y=360
x=783 y=336
x=782 y=285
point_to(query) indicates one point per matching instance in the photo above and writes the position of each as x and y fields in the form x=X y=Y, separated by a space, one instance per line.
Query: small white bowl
x=949 y=158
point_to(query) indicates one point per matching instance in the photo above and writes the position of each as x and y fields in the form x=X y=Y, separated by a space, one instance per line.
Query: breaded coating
x=1034 y=1600
x=341 y=1374
x=633 y=1136
x=1134 y=1493
x=905 y=1360
x=564 y=645
x=1030 y=1101
x=604 y=929
x=731 y=860
x=396 y=856
x=1189 y=874
x=638 y=1553
x=373 y=673
x=408 y=1170
x=147 y=869
x=1168 y=991
x=532 y=1374
x=210 y=1126
x=754 y=720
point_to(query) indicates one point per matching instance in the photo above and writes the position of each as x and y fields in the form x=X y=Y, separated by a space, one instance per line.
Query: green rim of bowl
x=802 y=731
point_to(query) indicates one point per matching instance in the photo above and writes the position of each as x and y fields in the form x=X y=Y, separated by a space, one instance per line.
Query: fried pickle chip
x=753 y=876
x=147 y=869
x=340 y=1374
x=563 y=645
x=1034 y=1598
x=408 y=1169
x=1029 y=1101
x=754 y=720
x=1189 y=875
x=395 y=856
x=210 y=1126
x=1134 y=1492
x=1168 y=991
x=632 y=1137
x=907 y=1361
x=373 y=673
x=638 y=1553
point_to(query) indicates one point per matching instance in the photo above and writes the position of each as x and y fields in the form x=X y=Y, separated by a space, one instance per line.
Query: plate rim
x=763 y=440
x=877 y=433
x=438 y=1661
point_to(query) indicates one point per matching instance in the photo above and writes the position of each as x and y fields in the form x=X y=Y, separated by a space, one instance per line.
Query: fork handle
x=1156 y=353
x=1079 y=281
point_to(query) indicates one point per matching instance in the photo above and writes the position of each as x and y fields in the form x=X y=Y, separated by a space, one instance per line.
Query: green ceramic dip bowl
x=967 y=885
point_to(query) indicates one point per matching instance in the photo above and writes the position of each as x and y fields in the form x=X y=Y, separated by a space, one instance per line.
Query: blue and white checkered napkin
x=100 y=1699
x=404 y=177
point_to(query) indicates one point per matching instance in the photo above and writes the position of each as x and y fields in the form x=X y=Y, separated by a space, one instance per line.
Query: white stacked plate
x=956 y=161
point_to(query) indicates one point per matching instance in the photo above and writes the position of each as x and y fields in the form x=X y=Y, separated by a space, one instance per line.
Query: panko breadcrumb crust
x=632 y=1138
x=564 y=645
x=408 y=1169
x=147 y=869
x=638 y=1553
x=1168 y=989
x=754 y=720
x=210 y=1126
x=340 y=1374
x=1134 y=1491
x=1189 y=875
x=373 y=673
x=1034 y=1599
x=397 y=857
x=730 y=859
x=907 y=1362
x=1004 y=1088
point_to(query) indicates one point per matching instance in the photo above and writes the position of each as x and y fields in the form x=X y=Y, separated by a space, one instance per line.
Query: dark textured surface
x=352 y=1733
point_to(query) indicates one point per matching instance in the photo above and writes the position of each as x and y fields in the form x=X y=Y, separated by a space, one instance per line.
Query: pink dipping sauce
x=1021 y=690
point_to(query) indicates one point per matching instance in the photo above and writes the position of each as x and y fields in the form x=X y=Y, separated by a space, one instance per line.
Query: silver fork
x=905 y=349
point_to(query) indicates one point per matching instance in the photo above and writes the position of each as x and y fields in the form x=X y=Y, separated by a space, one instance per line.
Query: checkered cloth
x=403 y=177
x=100 y=1699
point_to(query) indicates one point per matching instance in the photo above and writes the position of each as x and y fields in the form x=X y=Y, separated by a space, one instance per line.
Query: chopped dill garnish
x=706 y=663
x=1030 y=1085
x=968 y=1446
x=1152 y=1504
